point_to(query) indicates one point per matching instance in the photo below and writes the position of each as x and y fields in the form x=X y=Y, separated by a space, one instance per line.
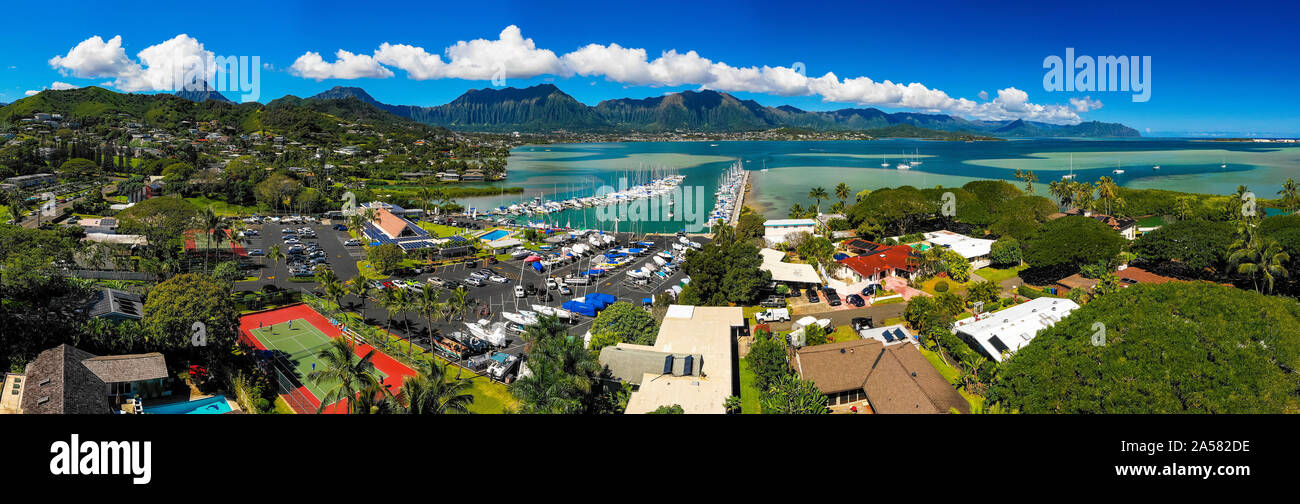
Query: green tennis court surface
x=296 y=344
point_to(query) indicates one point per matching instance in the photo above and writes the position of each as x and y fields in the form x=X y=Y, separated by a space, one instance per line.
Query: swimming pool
x=495 y=235
x=211 y=406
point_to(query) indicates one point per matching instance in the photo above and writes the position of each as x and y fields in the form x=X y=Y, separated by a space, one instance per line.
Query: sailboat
x=1071 y=175
x=903 y=165
x=885 y=164
x=916 y=157
x=1118 y=170
x=1225 y=162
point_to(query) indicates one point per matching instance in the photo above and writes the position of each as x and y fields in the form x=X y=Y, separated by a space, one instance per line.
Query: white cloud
x=346 y=66
x=175 y=63
x=56 y=85
x=513 y=56
x=1084 y=104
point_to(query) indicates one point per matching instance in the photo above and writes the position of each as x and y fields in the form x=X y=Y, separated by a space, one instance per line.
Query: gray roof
x=630 y=364
x=57 y=383
x=115 y=302
x=128 y=368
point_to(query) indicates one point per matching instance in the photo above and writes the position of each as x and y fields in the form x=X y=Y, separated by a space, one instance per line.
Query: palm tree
x=275 y=254
x=359 y=287
x=428 y=306
x=818 y=193
x=1108 y=192
x=1029 y=177
x=210 y=224
x=796 y=211
x=349 y=374
x=457 y=303
x=842 y=193
x=1260 y=259
x=435 y=393
x=1290 y=196
x=1062 y=191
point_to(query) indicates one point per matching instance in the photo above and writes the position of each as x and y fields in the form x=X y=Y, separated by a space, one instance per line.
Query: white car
x=773 y=315
x=498 y=279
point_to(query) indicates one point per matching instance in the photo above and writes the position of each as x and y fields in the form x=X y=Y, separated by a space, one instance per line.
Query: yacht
x=1118 y=170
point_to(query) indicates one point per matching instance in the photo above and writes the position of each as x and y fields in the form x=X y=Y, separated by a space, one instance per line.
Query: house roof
x=880 y=259
x=127 y=368
x=390 y=224
x=631 y=363
x=1015 y=327
x=1077 y=281
x=896 y=378
x=57 y=383
x=106 y=302
x=1140 y=275
x=964 y=245
x=701 y=331
x=787 y=272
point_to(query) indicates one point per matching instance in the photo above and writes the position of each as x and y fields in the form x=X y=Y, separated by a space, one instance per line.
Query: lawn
x=998 y=275
x=1151 y=221
x=844 y=333
x=748 y=392
x=951 y=374
x=222 y=208
x=370 y=272
x=440 y=230
x=953 y=286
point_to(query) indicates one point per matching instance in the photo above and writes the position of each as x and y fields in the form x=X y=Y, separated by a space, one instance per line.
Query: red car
x=389 y=285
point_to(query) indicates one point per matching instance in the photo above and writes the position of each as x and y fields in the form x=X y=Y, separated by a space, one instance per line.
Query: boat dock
x=742 y=188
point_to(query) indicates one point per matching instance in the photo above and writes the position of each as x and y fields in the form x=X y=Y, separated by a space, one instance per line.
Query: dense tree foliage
x=724 y=271
x=1169 y=348
x=1071 y=242
x=623 y=322
x=1196 y=243
x=1005 y=252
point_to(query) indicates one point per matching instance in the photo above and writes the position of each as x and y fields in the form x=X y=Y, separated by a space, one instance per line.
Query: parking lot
x=491 y=299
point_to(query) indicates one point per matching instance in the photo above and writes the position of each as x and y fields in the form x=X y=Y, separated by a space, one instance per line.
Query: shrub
x=941 y=286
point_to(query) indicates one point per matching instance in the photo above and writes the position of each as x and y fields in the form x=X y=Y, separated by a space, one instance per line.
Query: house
x=472 y=176
x=866 y=375
x=1125 y=226
x=689 y=365
x=878 y=262
x=823 y=220
x=390 y=228
x=115 y=305
x=975 y=250
x=1077 y=281
x=795 y=275
x=1011 y=329
x=777 y=230
x=33 y=180
x=67 y=380
x=105 y=225
x=1132 y=275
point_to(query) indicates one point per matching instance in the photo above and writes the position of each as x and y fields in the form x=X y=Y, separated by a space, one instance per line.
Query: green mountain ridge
x=545 y=107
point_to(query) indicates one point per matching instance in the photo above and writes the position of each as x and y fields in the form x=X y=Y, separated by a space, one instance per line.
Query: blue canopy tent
x=579 y=308
x=537 y=266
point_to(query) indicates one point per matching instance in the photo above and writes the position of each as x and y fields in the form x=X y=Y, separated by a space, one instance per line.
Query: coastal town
x=396 y=298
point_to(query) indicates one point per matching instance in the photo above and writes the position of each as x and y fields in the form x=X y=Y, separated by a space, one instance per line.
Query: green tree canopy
x=1170 y=348
x=1071 y=242
x=623 y=322
x=175 y=305
x=1196 y=243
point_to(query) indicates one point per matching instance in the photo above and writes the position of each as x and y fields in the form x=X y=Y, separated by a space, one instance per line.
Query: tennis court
x=295 y=350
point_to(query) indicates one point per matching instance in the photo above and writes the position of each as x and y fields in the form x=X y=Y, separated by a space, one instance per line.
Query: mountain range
x=544 y=108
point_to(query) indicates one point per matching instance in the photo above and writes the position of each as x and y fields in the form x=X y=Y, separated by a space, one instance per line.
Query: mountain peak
x=344 y=92
x=201 y=92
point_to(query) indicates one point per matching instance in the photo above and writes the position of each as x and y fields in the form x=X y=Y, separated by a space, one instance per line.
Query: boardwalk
x=741 y=191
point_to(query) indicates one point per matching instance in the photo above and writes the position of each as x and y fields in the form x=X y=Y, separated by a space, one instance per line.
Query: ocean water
x=783 y=172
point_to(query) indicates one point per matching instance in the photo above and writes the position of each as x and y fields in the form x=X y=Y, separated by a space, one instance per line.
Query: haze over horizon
x=1214 y=73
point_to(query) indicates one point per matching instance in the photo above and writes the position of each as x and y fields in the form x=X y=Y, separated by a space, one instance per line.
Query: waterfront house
x=778 y=230
x=1013 y=328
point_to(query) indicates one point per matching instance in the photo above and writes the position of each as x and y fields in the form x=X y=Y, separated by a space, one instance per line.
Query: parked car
x=870 y=290
x=255 y=252
x=855 y=300
x=340 y=227
x=773 y=302
x=565 y=290
x=832 y=298
x=773 y=315
x=474 y=281
x=498 y=279
x=860 y=323
x=812 y=296
x=352 y=243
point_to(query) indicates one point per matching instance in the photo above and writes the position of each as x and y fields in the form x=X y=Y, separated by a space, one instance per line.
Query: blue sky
x=1213 y=70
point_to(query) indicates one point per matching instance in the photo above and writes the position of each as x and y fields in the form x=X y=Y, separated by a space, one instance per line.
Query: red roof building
x=883 y=261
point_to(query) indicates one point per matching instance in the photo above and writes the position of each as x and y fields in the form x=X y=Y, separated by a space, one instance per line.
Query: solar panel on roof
x=888 y=337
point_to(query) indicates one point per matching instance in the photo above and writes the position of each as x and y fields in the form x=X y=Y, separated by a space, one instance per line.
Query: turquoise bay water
x=783 y=172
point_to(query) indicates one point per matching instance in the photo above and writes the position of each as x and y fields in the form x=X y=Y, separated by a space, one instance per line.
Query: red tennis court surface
x=396 y=371
x=236 y=248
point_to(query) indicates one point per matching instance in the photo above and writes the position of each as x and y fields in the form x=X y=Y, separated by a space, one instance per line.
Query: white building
x=689 y=364
x=788 y=273
x=975 y=250
x=775 y=231
x=1013 y=328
